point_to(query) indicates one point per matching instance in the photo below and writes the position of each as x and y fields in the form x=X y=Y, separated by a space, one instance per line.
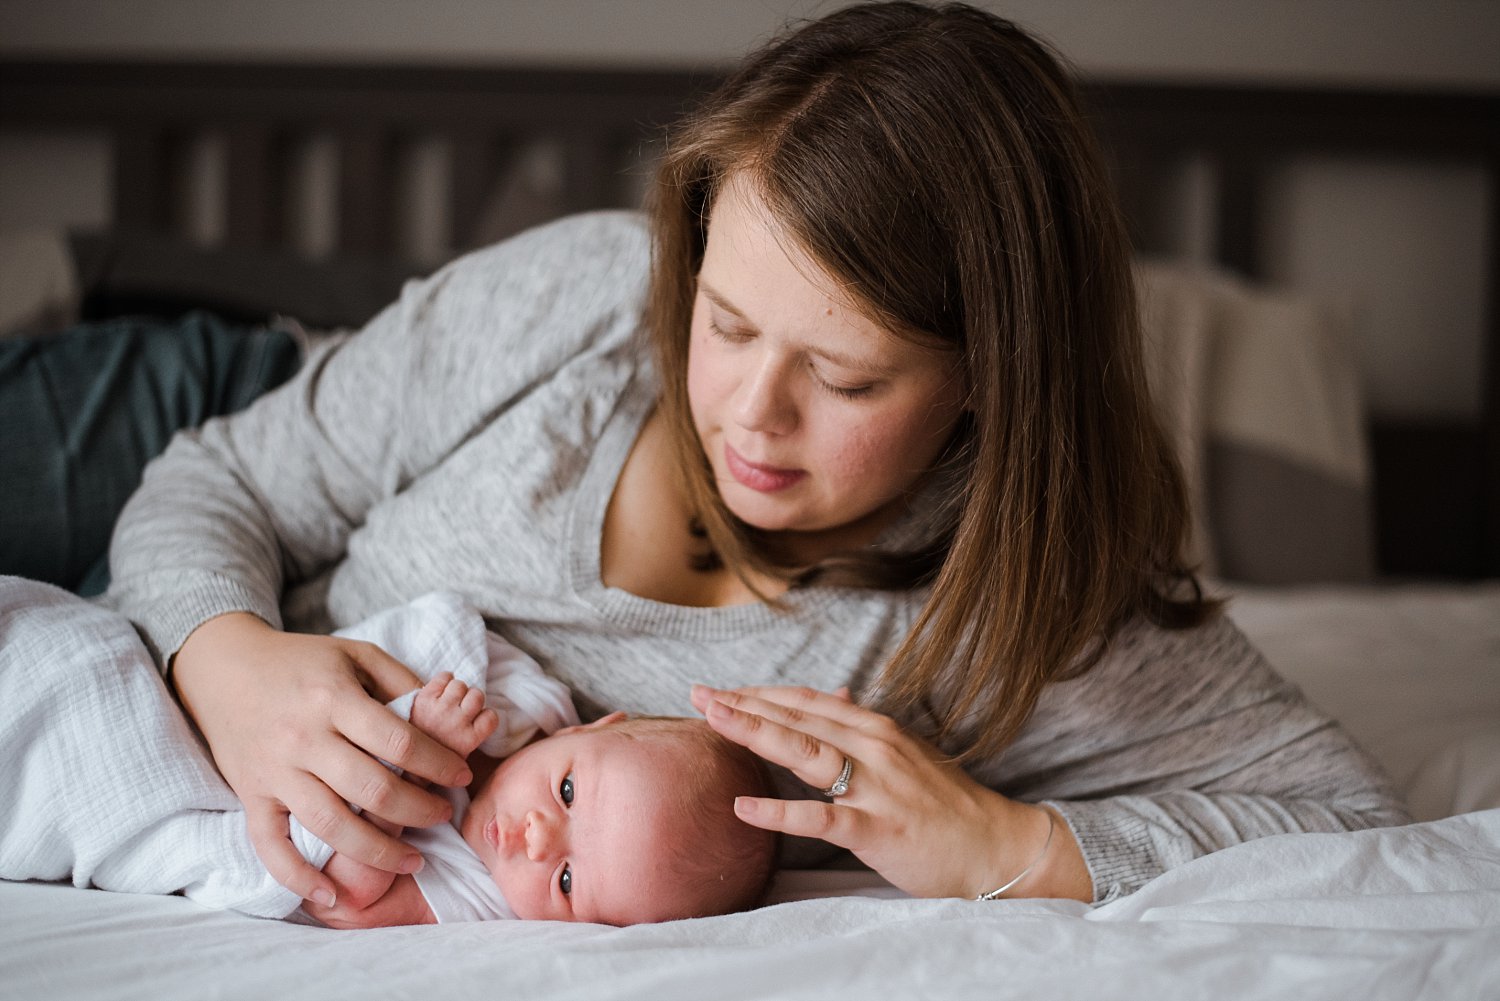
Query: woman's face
x=814 y=417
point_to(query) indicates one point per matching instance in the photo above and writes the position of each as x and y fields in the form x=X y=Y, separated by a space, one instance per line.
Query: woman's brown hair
x=936 y=163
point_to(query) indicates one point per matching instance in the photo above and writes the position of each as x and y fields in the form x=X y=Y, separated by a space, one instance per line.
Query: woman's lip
x=492 y=834
x=766 y=479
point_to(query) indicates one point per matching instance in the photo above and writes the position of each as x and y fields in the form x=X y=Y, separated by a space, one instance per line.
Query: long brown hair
x=935 y=161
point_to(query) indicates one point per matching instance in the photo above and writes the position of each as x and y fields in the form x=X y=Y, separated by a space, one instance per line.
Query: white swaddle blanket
x=105 y=784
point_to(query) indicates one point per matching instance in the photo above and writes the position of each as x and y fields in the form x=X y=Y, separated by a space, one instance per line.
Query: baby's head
x=623 y=821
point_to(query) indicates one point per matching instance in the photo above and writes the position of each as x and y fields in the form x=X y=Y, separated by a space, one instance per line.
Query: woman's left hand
x=919 y=821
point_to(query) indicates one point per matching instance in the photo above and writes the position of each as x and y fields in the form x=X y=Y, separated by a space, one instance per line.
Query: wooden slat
x=1429 y=498
x=143 y=177
x=257 y=187
x=1238 y=218
x=1490 y=359
x=478 y=163
x=590 y=175
x=367 y=189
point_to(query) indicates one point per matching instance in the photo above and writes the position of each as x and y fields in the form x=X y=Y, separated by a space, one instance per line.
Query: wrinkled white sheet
x=1393 y=914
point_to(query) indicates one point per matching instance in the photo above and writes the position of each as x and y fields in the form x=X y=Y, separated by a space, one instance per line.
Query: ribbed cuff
x=166 y=624
x=1116 y=845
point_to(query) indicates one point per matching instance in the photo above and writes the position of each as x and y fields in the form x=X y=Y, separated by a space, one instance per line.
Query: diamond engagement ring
x=840 y=784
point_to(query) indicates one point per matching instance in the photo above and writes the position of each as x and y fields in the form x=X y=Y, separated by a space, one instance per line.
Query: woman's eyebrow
x=718 y=300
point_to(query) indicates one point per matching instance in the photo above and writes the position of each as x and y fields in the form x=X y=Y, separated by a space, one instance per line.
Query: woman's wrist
x=1035 y=855
x=189 y=665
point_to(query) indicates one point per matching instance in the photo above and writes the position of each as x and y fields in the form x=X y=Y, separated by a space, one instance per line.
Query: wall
x=1426 y=42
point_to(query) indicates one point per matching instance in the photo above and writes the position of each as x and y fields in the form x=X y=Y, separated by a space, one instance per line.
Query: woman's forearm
x=1127 y=841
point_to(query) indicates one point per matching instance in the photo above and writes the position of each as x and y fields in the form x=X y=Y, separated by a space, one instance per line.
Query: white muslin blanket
x=106 y=785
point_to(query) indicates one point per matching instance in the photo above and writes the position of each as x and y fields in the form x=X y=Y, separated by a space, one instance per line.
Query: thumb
x=382 y=675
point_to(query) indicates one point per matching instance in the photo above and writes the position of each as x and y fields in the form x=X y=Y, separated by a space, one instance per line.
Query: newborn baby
x=621 y=821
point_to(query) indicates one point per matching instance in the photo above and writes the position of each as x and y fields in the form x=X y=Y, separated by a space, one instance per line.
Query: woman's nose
x=763 y=402
x=541 y=836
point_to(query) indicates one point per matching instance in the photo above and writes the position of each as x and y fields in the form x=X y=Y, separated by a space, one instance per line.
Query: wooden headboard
x=1437 y=483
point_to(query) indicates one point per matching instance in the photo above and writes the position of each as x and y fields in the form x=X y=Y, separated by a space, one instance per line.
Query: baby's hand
x=451 y=712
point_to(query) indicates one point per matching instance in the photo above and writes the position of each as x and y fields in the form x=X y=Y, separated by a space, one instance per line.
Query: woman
x=891 y=433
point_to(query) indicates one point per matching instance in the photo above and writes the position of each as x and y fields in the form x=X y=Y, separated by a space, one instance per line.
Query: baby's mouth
x=505 y=840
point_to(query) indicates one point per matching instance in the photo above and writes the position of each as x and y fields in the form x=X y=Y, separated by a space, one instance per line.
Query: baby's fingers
x=373 y=729
x=437 y=684
x=487 y=723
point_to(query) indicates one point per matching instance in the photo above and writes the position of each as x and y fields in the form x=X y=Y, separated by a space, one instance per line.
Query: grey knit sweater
x=469 y=440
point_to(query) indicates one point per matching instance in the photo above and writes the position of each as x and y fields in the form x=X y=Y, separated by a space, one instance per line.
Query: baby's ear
x=613 y=717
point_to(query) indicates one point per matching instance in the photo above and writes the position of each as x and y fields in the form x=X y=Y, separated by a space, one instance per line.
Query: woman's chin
x=767 y=517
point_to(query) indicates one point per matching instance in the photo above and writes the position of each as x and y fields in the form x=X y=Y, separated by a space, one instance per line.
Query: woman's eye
x=565 y=881
x=565 y=791
x=847 y=392
x=732 y=336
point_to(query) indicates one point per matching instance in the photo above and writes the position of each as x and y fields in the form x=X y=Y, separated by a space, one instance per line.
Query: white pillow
x=1259 y=388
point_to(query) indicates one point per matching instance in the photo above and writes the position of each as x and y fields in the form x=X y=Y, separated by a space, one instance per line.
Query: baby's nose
x=541 y=837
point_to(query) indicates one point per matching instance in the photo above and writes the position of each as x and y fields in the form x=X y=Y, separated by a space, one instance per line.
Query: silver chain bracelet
x=1051 y=826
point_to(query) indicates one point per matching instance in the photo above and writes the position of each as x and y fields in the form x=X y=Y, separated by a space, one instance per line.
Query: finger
x=327 y=816
x=383 y=676
x=371 y=727
x=487 y=723
x=267 y=824
x=829 y=730
x=473 y=701
x=437 y=684
x=804 y=818
x=803 y=700
x=359 y=779
x=812 y=759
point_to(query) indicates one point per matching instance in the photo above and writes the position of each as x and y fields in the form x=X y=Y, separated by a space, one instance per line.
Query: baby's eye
x=565 y=881
x=566 y=792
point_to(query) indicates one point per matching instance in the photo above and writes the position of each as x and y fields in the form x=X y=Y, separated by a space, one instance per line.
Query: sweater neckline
x=631 y=611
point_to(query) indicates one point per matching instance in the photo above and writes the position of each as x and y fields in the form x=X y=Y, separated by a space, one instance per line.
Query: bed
x=1361 y=550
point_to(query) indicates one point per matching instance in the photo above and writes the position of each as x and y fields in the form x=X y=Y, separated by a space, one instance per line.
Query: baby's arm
x=455 y=715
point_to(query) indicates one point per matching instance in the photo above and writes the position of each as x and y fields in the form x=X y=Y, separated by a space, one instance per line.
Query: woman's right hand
x=295 y=724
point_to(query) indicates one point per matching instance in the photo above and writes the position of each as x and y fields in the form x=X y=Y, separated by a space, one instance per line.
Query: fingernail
x=744 y=806
x=326 y=898
x=411 y=864
x=719 y=710
x=463 y=778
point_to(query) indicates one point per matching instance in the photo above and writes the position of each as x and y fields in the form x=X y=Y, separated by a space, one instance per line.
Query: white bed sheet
x=1400 y=913
x=1396 y=914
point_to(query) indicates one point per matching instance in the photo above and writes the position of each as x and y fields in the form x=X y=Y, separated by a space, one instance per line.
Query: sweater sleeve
x=1183 y=743
x=236 y=511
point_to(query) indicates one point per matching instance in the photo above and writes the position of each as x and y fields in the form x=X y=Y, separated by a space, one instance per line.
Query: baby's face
x=571 y=828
